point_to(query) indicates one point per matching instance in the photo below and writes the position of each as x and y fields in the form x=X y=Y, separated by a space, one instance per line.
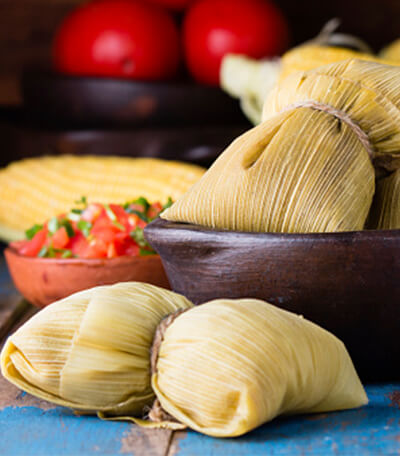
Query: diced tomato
x=92 y=212
x=60 y=238
x=78 y=244
x=120 y=213
x=99 y=231
x=96 y=249
x=33 y=247
x=137 y=207
x=154 y=210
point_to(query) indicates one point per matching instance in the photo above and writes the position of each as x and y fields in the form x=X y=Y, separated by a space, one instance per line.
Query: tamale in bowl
x=348 y=282
x=44 y=280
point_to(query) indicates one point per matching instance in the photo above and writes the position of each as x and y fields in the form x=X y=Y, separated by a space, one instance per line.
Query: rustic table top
x=29 y=426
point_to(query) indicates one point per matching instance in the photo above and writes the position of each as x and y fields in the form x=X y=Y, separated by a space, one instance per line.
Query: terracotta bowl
x=349 y=283
x=45 y=280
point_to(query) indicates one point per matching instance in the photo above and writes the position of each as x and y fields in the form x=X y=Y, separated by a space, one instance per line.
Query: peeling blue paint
x=32 y=431
x=369 y=431
x=372 y=430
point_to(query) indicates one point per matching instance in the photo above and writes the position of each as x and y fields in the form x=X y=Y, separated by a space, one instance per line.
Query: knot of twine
x=341 y=115
x=157 y=413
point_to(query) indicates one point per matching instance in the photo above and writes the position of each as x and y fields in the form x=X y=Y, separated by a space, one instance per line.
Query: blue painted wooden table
x=29 y=426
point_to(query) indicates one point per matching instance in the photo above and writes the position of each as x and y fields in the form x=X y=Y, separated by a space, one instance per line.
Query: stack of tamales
x=222 y=368
x=311 y=165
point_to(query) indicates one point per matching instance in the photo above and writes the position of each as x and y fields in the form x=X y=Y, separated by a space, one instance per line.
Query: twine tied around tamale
x=157 y=413
x=341 y=115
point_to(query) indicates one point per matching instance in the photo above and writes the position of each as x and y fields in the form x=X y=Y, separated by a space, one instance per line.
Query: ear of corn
x=228 y=366
x=90 y=351
x=34 y=190
x=385 y=212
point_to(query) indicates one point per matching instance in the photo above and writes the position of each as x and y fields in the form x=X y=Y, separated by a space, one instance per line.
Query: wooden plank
x=367 y=431
x=38 y=428
x=53 y=429
x=12 y=306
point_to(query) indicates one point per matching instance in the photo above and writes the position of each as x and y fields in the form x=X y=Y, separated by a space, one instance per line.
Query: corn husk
x=310 y=56
x=368 y=92
x=391 y=52
x=34 y=190
x=252 y=80
x=90 y=351
x=301 y=171
x=228 y=366
x=385 y=212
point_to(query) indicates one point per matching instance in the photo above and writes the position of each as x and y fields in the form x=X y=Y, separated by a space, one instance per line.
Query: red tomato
x=176 y=5
x=213 y=28
x=32 y=247
x=118 y=38
x=154 y=210
x=60 y=238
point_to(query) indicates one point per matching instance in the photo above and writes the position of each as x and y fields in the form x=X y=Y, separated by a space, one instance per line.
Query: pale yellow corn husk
x=391 y=52
x=249 y=80
x=90 y=351
x=310 y=56
x=34 y=190
x=228 y=366
x=300 y=171
x=368 y=92
x=252 y=80
x=385 y=212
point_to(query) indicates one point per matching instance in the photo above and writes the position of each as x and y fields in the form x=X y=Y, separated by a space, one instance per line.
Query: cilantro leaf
x=85 y=227
x=138 y=236
x=30 y=233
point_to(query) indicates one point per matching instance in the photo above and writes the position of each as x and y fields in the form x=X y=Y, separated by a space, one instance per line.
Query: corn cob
x=34 y=190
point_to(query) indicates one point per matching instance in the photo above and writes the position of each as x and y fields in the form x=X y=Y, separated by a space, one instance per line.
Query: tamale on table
x=30 y=426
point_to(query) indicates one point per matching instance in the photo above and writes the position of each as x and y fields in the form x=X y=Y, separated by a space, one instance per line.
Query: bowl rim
x=79 y=261
x=199 y=231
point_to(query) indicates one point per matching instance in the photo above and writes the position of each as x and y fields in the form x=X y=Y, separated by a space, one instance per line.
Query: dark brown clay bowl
x=88 y=101
x=349 y=283
x=45 y=280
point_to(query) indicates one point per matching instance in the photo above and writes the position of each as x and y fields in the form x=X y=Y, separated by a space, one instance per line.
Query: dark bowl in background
x=349 y=283
x=106 y=102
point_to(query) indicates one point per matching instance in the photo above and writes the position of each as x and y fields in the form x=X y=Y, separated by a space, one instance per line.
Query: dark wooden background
x=27 y=26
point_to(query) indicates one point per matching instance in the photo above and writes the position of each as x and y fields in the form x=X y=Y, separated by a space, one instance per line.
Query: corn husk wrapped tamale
x=368 y=92
x=385 y=211
x=228 y=366
x=90 y=351
x=308 y=166
x=35 y=189
x=301 y=171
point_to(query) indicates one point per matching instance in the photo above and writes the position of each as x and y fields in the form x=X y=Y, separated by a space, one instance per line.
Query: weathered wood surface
x=29 y=426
